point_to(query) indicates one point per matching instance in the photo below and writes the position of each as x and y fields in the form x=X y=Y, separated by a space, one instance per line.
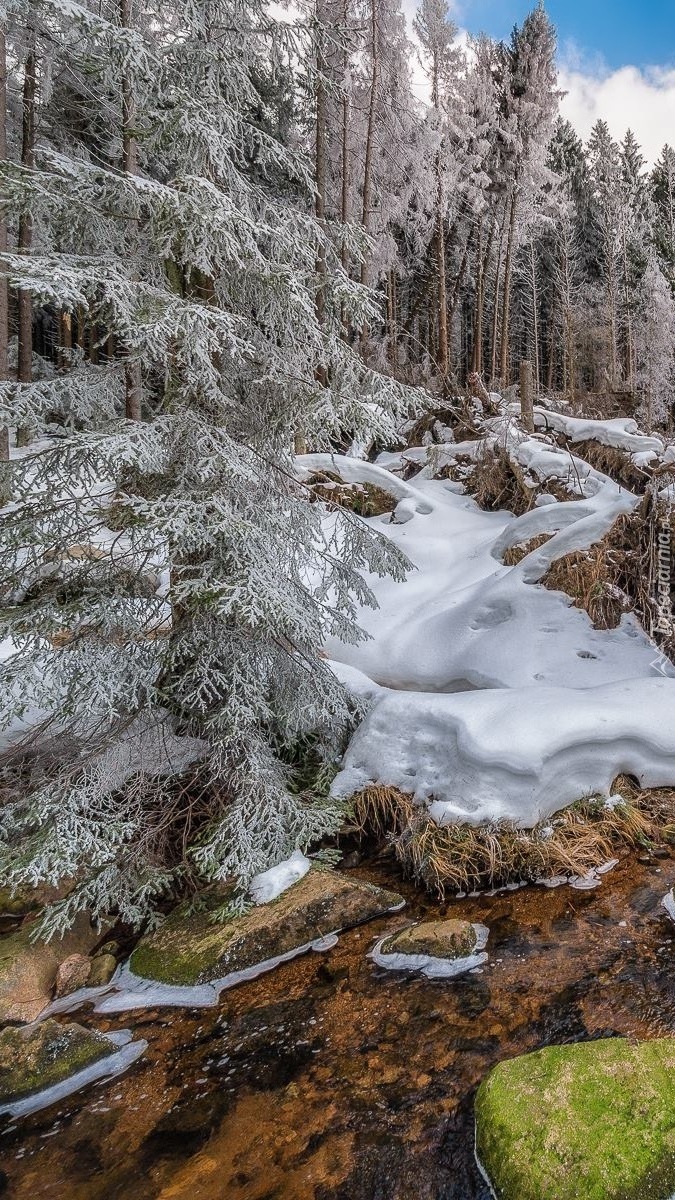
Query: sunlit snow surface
x=491 y=696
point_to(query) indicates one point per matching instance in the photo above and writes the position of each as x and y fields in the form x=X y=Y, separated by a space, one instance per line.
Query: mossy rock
x=593 y=1120
x=16 y=903
x=28 y=969
x=36 y=1057
x=192 y=949
x=438 y=939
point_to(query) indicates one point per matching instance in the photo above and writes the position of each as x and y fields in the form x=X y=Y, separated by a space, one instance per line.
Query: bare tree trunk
x=526 y=401
x=535 y=315
x=25 y=240
x=344 y=207
x=551 y=349
x=65 y=340
x=320 y=177
x=495 y=310
x=370 y=134
x=506 y=300
x=370 y=139
x=5 y=491
x=477 y=348
x=4 y=293
x=133 y=378
x=630 y=367
x=443 y=354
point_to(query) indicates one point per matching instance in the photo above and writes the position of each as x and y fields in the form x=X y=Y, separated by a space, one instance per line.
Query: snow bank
x=464 y=620
x=518 y=755
x=270 y=884
x=493 y=697
x=622 y=433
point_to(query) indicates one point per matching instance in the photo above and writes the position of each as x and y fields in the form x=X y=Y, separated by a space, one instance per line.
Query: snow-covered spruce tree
x=165 y=584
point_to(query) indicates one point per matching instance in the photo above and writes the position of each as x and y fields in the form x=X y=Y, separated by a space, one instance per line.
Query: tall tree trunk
x=344 y=206
x=495 y=309
x=551 y=348
x=506 y=296
x=630 y=367
x=4 y=294
x=442 y=351
x=25 y=240
x=370 y=133
x=133 y=378
x=65 y=339
x=370 y=139
x=483 y=255
x=535 y=318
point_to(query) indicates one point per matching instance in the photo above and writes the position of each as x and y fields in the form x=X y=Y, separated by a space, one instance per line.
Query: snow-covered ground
x=493 y=697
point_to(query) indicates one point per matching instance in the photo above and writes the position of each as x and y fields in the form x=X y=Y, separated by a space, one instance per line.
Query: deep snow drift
x=491 y=696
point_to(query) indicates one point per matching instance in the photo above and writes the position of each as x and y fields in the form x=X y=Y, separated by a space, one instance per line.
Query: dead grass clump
x=620 y=573
x=588 y=577
x=431 y=424
x=496 y=483
x=364 y=499
x=515 y=554
x=468 y=858
x=611 y=461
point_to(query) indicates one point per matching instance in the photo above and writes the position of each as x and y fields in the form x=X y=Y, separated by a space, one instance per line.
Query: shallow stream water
x=332 y=1079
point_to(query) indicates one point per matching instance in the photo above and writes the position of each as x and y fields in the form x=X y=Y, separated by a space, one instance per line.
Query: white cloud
x=629 y=98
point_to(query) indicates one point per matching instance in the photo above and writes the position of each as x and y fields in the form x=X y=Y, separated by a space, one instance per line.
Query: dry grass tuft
x=430 y=425
x=516 y=554
x=362 y=498
x=610 y=461
x=496 y=483
x=620 y=573
x=467 y=858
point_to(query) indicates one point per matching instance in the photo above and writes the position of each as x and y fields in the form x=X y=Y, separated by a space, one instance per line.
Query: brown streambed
x=331 y=1079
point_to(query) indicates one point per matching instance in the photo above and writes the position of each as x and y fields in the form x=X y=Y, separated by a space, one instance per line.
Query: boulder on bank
x=28 y=969
x=594 y=1119
x=33 y=1058
x=191 y=949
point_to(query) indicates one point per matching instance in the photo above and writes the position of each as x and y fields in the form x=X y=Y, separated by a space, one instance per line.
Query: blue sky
x=616 y=60
x=619 y=31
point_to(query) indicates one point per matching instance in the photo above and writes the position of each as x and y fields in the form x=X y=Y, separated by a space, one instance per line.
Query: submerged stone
x=191 y=949
x=437 y=949
x=594 y=1119
x=438 y=939
x=33 y=1058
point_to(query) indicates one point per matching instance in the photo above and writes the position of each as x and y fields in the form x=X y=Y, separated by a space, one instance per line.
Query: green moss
x=17 y=903
x=190 y=948
x=36 y=1057
x=593 y=1120
x=184 y=951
